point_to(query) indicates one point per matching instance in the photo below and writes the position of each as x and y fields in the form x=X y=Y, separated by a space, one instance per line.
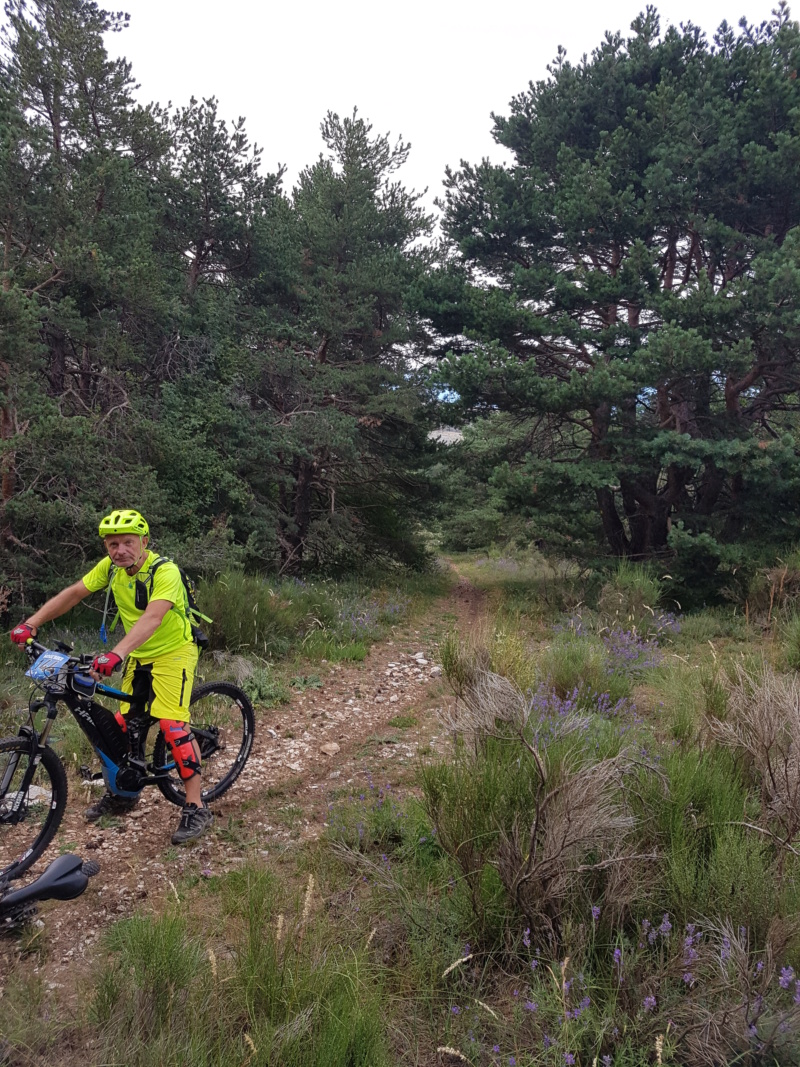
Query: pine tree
x=631 y=278
x=336 y=374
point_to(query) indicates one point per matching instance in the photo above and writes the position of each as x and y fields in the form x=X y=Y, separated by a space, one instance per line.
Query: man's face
x=125 y=549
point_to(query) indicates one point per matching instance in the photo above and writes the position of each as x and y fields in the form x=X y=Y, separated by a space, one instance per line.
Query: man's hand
x=106 y=663
x=23 y=633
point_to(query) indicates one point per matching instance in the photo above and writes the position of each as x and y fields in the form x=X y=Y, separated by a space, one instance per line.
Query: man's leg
x=173 y=676
x=135 y=681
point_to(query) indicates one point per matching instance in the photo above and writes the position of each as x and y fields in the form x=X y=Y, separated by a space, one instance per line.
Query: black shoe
x=110 y=804
x=194 y=823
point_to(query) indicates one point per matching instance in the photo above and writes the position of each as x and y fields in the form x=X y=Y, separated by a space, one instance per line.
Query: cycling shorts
x=163 y=684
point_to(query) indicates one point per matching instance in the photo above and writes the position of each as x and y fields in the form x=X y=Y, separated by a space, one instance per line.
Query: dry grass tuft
x=763 y=722
x=576 y=824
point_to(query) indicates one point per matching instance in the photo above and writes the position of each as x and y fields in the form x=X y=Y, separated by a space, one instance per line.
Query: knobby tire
x=231 y=711
x=25 y=841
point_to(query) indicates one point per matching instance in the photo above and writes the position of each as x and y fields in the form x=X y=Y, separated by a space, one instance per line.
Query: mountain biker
x=161 y=654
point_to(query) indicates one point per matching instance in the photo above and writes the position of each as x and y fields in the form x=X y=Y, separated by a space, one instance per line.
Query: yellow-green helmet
x=125 y=521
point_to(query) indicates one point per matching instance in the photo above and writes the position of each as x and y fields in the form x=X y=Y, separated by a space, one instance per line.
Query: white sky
x=431 y=70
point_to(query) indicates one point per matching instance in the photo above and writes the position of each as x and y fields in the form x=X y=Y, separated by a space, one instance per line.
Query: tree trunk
x=295 y=532
x=7 y=471
x=612 y=524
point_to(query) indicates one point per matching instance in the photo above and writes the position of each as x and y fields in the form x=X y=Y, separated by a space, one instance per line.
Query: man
x=161 y=655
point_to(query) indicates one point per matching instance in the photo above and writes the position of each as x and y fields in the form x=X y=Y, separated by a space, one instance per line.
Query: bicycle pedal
x=87 y=774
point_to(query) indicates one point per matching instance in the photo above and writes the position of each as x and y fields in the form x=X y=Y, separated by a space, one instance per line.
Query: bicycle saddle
x=64 y=879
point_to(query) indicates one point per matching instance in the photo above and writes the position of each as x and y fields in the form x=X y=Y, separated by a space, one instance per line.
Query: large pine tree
x=629 y=284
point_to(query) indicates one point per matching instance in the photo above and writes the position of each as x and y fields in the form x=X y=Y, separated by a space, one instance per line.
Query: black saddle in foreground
x=66 y=878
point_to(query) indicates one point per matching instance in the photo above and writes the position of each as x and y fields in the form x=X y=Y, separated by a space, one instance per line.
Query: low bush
x=325 y=620
x=630 y=598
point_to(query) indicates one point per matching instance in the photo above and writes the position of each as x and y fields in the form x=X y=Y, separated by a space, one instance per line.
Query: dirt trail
x=379 y=713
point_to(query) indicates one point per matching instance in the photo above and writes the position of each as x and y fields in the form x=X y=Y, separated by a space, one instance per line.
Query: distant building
x=447 y=435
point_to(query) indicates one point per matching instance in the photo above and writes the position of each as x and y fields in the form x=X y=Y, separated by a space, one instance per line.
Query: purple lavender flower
x=796 y=997
x=569 y=1059
x=787 y=975
x=529 y=1005
x=629 y=653
x=759 y=967
x=512 y=1062
x=526 y=938
x=649 y=1002
x=665 y=926
x=688 y=977
x=547 y=1041
x=725 y=950
x=618 y=957
x=595 y=913
x=455 y=1009
x=495 y=1048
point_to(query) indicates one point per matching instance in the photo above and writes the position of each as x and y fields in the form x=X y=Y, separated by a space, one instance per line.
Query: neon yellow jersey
x=175 y=629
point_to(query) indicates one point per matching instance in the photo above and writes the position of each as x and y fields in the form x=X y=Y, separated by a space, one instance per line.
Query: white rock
x=330 y=749
x=393 y=698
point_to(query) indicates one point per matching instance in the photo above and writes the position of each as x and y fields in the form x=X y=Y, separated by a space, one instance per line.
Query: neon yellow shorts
x=164 y=684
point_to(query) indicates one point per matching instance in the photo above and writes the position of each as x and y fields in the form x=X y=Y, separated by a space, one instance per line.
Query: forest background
x=612 y=318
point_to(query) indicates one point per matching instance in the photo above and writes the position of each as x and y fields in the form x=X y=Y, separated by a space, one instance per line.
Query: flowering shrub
x=365 y=617
x=734 y=1006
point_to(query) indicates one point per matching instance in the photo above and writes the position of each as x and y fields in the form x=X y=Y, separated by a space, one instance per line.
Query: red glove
x=22 y=633
x=106 y=663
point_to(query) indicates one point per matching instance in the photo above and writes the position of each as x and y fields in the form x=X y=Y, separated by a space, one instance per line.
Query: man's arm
x=60 y=604
x=144 y=627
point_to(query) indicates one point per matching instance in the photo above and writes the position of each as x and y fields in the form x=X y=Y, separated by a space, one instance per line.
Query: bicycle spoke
x=222 y=722
x=29 y=802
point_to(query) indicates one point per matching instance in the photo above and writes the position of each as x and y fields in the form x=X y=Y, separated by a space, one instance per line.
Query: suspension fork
x=37 y=744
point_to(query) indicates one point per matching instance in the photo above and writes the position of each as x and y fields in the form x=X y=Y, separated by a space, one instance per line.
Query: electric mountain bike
x=33 y=783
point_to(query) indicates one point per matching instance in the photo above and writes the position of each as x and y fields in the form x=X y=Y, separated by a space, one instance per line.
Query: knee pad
x=181 y=743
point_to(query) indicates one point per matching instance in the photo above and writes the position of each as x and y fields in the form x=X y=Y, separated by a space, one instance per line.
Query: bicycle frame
x=125 y=770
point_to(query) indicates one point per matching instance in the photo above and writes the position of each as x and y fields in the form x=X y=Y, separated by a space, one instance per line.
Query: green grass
x=261 y=979
x=403 y=722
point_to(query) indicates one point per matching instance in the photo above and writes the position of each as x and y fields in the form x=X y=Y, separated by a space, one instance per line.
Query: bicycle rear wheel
x=29 y=814
x=223 y=723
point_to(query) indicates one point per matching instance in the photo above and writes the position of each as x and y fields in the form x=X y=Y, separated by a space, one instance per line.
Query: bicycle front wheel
x=223 y=723
x=31 y=804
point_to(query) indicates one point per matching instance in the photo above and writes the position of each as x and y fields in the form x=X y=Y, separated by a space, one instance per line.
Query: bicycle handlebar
x=78 y=667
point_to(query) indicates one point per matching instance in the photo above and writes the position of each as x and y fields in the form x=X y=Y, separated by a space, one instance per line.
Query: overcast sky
x=431 y=70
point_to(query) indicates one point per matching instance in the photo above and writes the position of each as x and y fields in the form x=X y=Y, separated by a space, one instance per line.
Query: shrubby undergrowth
x=622 y=822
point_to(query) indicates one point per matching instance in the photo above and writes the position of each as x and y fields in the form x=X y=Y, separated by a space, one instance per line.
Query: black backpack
x=142 y=598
